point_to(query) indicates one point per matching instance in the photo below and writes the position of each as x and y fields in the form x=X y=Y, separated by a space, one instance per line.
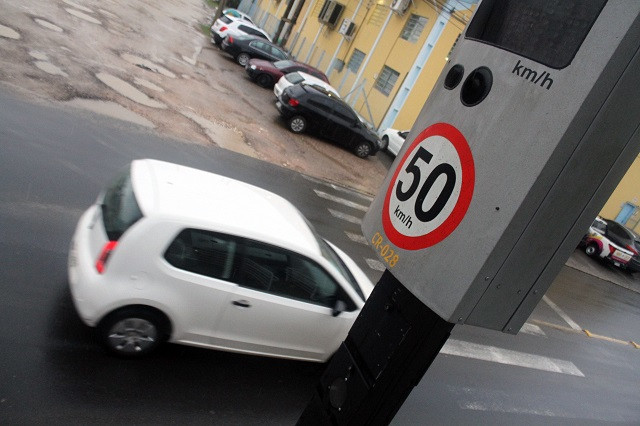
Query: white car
x=171 y=253
x=229 y=25
x=299 y=77
x=237 y=14
x=610 y=241
x=393 y=139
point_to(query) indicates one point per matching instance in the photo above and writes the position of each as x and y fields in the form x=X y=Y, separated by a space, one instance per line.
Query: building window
x=413 y=28
x=386 y=80
x=356 y=60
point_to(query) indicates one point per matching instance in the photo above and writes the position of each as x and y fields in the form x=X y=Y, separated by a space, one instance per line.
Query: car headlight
x=253 y=67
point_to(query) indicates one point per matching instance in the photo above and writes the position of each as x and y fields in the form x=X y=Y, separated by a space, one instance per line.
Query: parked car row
x=304 y=96
x=234 y=22
x=614 y=243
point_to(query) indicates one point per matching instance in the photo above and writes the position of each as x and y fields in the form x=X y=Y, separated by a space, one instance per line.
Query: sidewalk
x=580 y=261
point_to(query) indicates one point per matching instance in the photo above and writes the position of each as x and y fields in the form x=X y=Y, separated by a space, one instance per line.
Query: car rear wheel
x=385 y=143
x=592 y=249
x=363 y=149
x=297 y=124
x=264 y=80
x=243 y=59
x=133 y=331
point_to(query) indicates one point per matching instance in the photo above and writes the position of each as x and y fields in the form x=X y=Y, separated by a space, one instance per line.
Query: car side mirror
x=339 y=307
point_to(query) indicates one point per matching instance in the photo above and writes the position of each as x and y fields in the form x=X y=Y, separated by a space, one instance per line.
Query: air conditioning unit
x=347 y=28
x=400 y=6
x=330 y=12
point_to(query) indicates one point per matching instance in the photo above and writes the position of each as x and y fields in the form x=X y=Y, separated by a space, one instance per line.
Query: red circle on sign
x=433 y=237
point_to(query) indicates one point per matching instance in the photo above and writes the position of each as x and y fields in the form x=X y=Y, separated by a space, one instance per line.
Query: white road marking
x=375 y=265
x=358 y=238
x=533 y=329
x=562 y=314
x=338 y=188
x=521 y=402
x=345 y=216
x=505 y=356
x=339 y=200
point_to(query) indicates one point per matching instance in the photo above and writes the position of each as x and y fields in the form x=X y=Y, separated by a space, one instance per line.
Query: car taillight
x=611 y=249
x=229 y=39
x=104 y=255
x=632 y=250
x=293 y=102
x=223 y=29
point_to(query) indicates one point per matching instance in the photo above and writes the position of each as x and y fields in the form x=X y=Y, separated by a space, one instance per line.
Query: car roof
x=315 y=81
x=241 y=22
x=197 y=198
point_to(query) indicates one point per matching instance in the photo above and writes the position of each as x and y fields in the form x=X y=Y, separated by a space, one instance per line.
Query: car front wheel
x=264 y=80
x=385 y=143
x=297 y=124
x=133 y=331
x=243 y=59
x=592 y=249
x=363 y=149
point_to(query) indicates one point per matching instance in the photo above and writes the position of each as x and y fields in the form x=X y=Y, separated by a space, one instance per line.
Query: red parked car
x=266 y=73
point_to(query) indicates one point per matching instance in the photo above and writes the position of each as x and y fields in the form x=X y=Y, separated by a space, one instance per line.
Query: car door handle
x=241 y=303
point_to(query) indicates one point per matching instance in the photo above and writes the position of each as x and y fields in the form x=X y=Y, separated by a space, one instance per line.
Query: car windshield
x=120 y=209
x=600 y=226
x=283 y=64
x=330 y=254
x=294 y=77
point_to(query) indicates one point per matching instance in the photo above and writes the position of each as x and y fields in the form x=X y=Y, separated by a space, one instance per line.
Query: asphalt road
x=53 y=162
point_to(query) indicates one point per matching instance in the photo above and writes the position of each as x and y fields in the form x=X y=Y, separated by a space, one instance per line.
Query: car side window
x=279 y=54
x=287 y=274
x=344 y=113
x=321 y=104
x=203 y=252
x=258 y=45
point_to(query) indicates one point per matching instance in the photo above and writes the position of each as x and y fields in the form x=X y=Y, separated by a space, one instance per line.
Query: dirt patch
x=110 y=109
x=147 y=62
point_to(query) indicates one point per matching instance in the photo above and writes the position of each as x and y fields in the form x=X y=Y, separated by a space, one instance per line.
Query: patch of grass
x=205 y=29
x=211 y=3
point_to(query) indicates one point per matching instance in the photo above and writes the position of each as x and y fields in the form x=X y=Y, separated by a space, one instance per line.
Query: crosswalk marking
x=533 y=329
x=562 y=314
x=342 y=201
x=375 y=265
x=505 y=356
x=345 y=216
x=339 y=188
x=358 y=238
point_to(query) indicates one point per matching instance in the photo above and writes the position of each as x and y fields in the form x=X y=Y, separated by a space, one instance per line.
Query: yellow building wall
x=628 y=190
x=315 y=43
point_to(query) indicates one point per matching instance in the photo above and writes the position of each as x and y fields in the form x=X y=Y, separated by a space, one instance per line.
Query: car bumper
x=216 y=38
x=251 y=72
x=284 y=109
x=87 y=289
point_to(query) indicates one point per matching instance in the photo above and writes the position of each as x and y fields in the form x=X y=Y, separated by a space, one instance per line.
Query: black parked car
x=245 y=47
x=308 y=107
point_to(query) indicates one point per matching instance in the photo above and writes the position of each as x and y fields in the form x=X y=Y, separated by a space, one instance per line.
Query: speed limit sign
x=430 y=190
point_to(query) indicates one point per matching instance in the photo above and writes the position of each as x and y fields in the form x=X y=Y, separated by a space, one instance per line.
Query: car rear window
x=294 y=78
x=251 y=31
x=120 y=208
x=226 y=19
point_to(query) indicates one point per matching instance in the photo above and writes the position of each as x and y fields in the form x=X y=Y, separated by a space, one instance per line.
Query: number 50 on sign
x=431 y=189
